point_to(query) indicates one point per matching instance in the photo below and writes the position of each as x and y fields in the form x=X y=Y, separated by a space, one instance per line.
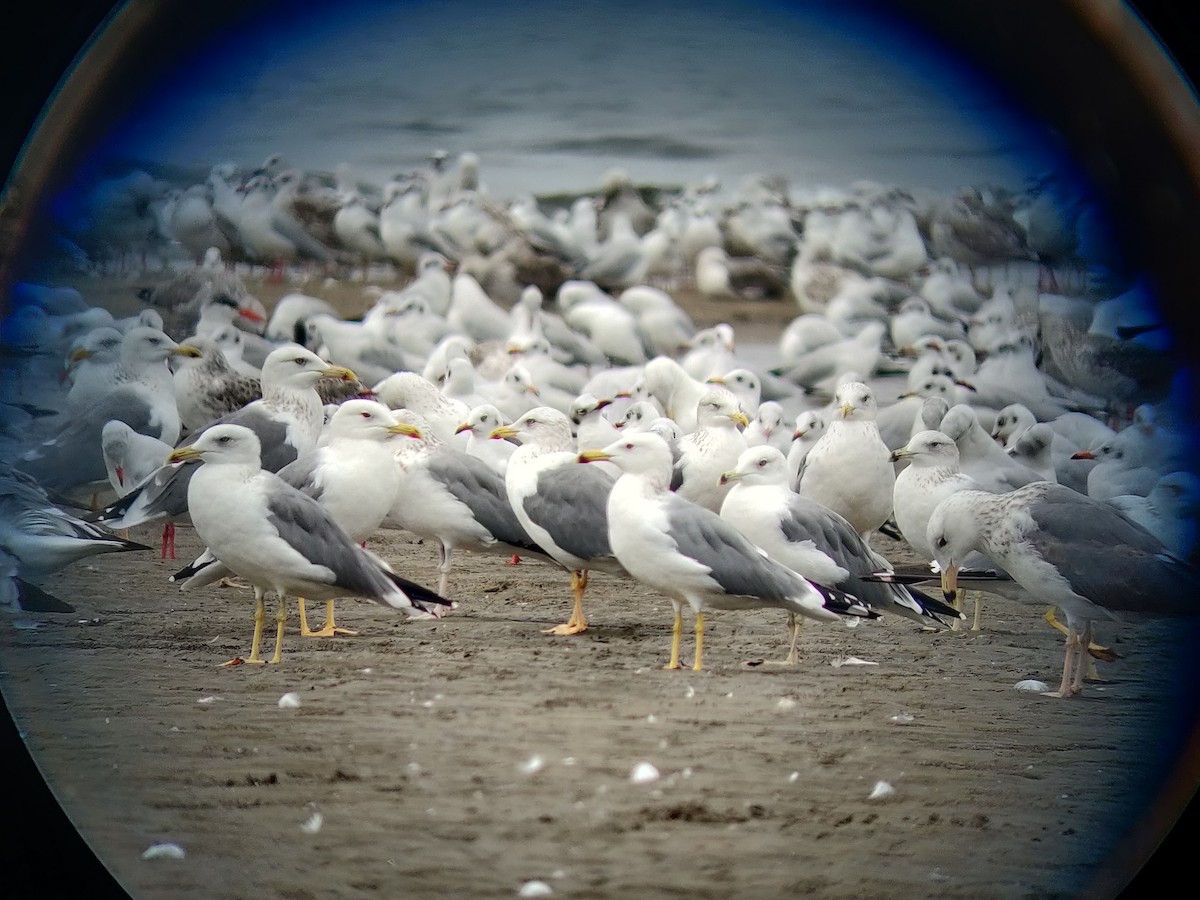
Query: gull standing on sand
x=280 y=539
x=812 y=540
x=1066 y=550
x=691 y=554
x=849 y=469
x=563 y=507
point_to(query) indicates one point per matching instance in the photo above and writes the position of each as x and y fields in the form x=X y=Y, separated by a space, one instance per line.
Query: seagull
x=810 y=425
x=848 y=469
x=478 y=426
x=691 y=554
x=812 y=540
x=207 y=386
x=711 y=449
x=456 y=499
x=562 y=507
x=287 y=421
x=129 y=457
x=1170 y=512
x=142 y=397
x=1068 y=550
x=980 y=456
x=279 y=538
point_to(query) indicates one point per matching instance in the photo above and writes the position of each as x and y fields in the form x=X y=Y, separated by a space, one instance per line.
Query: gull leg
x=978 y=611
x=256 y=642
x=1095 y=651
x=329 y=629
x=956 y=602
x=443 y=568
x=793 y=627
x=676 y=637
x=1084 y=640
x=578 y=621
x=697 y=666
x=1069 y=655
x=280 y=618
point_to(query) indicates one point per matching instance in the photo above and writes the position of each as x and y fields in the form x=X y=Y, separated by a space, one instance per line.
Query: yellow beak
x=594 y=456
x=739 y=418
x=186 y=350
x=339 y=372
x=899 y=454
x=950 y=583
x=465 y=426
x=847 y=408
x=405 y=429
x=504 y=432
x=79 y=355
x=183 y=454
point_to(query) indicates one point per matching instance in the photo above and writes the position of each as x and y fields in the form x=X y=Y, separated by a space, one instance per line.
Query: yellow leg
x=697 y=665
x=329 y=629
x=280 y=618
x=956 y=602
x=676 y=637
x=260 y=613
x=1095 y=651
x=578 y=621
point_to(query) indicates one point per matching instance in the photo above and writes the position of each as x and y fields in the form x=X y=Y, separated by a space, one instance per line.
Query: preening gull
x=691 y=554
x=812 y=540
x=562 y=507
x=129 y=457
x=1067 y=550
x=280 y=539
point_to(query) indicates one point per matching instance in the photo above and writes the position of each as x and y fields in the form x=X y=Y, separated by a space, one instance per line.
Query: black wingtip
x=419 y=594
x=33 y=599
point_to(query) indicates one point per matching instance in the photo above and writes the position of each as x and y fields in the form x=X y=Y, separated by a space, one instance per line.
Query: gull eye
x=761 y=463
x=940 y=542
x=299 y=360
x=365 y=415
x=629 y=445
x=224 y=439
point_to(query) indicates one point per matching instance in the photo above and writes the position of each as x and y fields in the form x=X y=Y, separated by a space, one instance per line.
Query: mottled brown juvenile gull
x=1067 y=550
x=207 y=386
x=279 y=538
x=691 y=554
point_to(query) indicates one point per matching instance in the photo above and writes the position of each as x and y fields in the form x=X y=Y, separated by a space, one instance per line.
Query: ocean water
x=551 y=96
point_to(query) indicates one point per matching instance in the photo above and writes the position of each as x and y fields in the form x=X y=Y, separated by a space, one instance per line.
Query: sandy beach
x=473 y=755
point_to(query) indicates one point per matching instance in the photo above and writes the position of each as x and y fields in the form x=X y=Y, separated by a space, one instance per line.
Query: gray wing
x=307 y=528
x=737 y=565
x=74 y=457
x=162 y=495
x=571 y=502
x=477 y=485
x=301 y=473
x=272 y=434
x=807 y=520
x=1108 y=559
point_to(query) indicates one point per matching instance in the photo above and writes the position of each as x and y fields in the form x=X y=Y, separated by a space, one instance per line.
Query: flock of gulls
x=977 y=375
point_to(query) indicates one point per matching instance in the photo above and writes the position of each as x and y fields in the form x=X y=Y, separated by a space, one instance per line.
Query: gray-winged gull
x=1067 y=550
x=691 y=554
x=279 y=538
x=287 y=420
x=448 y=496
x=812 y=540
x=561 y=506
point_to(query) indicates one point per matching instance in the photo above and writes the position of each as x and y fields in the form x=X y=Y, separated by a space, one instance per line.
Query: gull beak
x=80 y=355
x=966 y=384
x=405 y=429
x=339 y=372
x=594 y=456
x=1083 y=454
x=252 y=314
x=902 y=453
x=119 y=471
x=623 y=395
x=183 y=454
x=186 y=350
x=731 y=475
x=504 y=432
x=465 y=426
x=908 y=394
x=739 y=418
x=600 y=404
x=714 y=380
x=950 y=583
x=847 y=408
x=532 y=389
